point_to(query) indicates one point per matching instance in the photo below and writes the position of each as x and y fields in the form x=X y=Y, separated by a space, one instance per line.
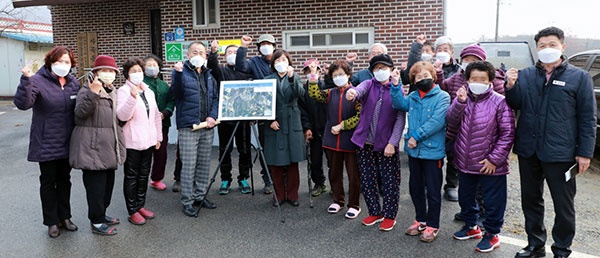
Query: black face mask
x=425 y=84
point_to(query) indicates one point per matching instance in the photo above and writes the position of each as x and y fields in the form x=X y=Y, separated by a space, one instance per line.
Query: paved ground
x=242 y=225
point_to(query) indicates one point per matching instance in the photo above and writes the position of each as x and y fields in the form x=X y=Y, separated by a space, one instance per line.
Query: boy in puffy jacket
x=484 y=126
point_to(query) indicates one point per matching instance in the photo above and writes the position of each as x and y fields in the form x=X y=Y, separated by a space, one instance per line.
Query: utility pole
x=497 y=18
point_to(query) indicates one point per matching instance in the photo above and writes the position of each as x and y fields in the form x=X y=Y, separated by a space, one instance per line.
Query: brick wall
x=396 y=23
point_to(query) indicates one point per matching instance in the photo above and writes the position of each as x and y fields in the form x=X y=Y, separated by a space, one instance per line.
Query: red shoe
x=158 y=185
x=146 y=213
x=387 y=224
x=137 y=219
x=372 y=220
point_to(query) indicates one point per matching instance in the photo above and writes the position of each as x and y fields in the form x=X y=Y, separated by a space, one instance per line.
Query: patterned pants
x=194 y=152
x=373 y=165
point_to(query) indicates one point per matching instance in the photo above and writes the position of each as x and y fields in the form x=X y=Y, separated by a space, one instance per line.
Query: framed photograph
x=247 y=100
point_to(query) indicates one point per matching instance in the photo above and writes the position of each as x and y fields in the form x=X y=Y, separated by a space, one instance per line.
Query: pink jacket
x=142 y=130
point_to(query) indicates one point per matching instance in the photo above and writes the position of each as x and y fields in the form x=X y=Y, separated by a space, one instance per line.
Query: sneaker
x=451 y=194
x=268 y=189
x=318 y=190
x=372 y=220
x=458 y=216
x=416 y=228
x=158 y=185
x=429 y=234
x=104 y=230
x=488 y=243
x=137 y=219
x=387 y=224
x=176 y=186
x=467 y=233
x=225 y=186
x=245 y=187
x=146 y=213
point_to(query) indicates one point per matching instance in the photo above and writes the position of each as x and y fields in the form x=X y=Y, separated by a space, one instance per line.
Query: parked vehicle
x=505 y=55
x=590 y=62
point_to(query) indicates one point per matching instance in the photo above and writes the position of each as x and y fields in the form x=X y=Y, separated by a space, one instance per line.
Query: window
x=206 y=14
x=348 y=38
x=595 y=72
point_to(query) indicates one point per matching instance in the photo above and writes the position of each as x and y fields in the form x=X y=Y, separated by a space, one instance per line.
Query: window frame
x=207 y=24
x=287 y=41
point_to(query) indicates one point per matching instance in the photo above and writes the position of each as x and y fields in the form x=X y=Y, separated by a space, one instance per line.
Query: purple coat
x=485 y=129
x=391 y=121
x=52 y=119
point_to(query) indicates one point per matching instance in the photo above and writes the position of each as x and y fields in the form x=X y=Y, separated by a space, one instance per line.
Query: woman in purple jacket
x=377 y=136
x=51 y=92
x=484 y=126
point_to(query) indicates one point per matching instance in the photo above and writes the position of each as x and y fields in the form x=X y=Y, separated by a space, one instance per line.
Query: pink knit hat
x=473 y=50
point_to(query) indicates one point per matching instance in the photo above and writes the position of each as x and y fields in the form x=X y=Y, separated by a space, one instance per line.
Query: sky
x=469 y=20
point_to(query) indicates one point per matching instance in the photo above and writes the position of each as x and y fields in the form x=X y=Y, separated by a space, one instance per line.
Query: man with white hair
x=363 y=75
x=444 y=50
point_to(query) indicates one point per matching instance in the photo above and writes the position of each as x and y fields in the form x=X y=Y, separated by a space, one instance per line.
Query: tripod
x=260 y=154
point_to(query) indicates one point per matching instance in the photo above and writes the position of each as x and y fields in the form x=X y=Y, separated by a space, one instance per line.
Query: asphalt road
x=241 y=226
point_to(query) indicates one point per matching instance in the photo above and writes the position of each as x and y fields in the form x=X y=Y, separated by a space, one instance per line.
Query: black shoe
x=111 y=221
x=531 y=251
x=294 y=203
x=68 y=225
x=189 y=211
x=458 y=217
x=53 y=231
x=206 y=204
x=104 y=230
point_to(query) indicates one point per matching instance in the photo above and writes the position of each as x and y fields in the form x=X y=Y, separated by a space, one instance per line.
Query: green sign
x=174 y=52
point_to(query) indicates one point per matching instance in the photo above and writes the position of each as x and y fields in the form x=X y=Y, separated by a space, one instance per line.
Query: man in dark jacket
x=196 y=101
x=259 y=67
x=313 y=119
x=554 y=139
x=226 y=129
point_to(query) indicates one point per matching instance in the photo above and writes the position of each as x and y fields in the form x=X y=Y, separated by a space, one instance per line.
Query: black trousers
x=135 y=182
x=98 y=188
x=55 y=190
x=533 y=172
x=242 y=141
x=316 y=159
x=451 y=171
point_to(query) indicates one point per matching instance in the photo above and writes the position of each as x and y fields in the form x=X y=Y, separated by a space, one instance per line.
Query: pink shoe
x=416 y=228
x=146 y=213
x=429 y=234
x=137 y=219
x=158 y=185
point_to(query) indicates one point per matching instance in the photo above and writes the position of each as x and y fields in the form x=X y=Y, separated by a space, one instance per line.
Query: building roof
x=25 y=3
x=28 y=37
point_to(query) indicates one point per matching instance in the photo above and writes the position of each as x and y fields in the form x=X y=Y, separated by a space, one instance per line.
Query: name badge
x=73 y=96
x=559 y=83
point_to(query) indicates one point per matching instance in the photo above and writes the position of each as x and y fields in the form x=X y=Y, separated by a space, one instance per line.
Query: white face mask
x=426 y=57
x=151 y=71
x=464 y=65
x=478 y=88
x=281 y=67
x=549 y=55
x=107 y=77
x=136 y=78
x=340 y=80
x=443 y=56
x=382 y=75
x=61 y=69
x=266 y=50
x=231 y=59
x=197 y=61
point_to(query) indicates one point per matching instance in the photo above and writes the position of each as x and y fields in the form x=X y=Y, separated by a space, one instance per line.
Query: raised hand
x=246 y=41
x=461 y=94
x=95 y=86
x=290 y=71
x=179 y=66
x=511 y=77
x=351 y=57
x=395 y=77
x=26 y=71
x=351 y=94
x=421 y=39
x=214 y=46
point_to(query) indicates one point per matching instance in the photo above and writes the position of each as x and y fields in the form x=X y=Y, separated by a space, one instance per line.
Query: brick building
x=326 y=30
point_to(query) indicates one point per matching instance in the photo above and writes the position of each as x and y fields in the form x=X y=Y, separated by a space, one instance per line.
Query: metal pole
x=497 y=18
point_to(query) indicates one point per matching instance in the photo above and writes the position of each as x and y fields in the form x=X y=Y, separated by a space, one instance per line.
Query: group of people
x=455 y=111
